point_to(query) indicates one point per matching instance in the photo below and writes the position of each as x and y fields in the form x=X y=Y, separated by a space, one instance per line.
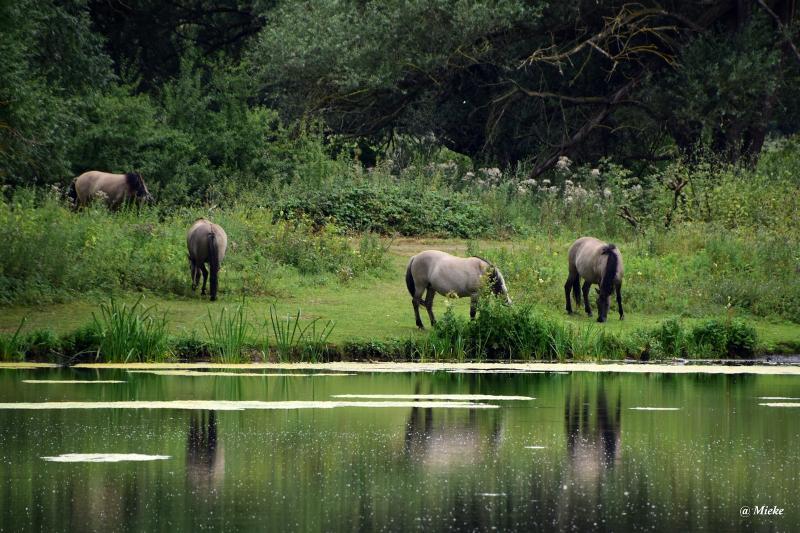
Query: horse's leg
x=586 y=287
x=205 y=277
x=618 y=288
x=429 y=304
x=195 y=274
x=572 y=279
x=473 y=306
x=415 y=302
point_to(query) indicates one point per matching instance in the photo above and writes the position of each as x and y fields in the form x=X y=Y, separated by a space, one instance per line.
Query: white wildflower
x=563 y=163
x=607 y=192
x=595 y=172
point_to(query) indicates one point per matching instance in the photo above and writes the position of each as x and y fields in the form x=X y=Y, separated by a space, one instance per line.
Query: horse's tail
x=412 y=289
x=213 y=262
x=607 y=283
x=72 y=193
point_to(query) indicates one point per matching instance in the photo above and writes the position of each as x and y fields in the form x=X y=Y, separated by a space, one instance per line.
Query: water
x=577 y=457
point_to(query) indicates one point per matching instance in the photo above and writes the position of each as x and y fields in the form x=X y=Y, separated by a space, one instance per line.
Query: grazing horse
x=115 y=188
x=595 y=262
x=207 y=243
x=446 y=274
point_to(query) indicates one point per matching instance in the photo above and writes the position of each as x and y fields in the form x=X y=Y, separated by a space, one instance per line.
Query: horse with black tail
x=596 y=262
x=207 y=243
x=434 y=271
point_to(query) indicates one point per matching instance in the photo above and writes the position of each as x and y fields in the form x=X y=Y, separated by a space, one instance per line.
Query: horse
x=447 y=274
x=115 y=188
x=207 y=243
x=595 y=262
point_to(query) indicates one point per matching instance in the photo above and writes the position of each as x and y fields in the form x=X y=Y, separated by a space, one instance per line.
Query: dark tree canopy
x=199 y=88
x=506 y=81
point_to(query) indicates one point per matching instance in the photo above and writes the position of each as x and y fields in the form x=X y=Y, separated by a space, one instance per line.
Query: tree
x=509 y=81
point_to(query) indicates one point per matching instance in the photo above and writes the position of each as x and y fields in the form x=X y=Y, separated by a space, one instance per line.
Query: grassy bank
x=373 y=319
x=711 y=257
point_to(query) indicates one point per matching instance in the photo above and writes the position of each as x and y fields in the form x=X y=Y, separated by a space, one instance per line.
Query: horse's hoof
x=213 y=298
x=600 y=320
x=622 y=317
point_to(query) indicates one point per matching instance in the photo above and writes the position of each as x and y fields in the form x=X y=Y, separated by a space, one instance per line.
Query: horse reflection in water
x=593 y=441
x=205 y=455
x=448 y=441
x=593 y=429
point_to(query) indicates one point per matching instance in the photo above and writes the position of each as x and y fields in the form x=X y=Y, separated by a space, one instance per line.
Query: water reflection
x=593 y=430
x=441 y=440
x=205 y=455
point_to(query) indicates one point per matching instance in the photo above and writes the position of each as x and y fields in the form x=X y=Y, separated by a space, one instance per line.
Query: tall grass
x=309 y=342
x=130 y=334
x=13 y=346
x=228 y=334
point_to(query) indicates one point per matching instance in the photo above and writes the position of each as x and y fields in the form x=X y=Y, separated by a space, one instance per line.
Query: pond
x=187 y=450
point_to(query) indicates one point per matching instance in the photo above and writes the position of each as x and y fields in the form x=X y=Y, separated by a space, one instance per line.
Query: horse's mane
x=494 y=279
x=135 y=182
x=485 y=261
x=607 y=283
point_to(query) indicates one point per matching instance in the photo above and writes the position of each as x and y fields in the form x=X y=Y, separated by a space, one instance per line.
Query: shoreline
x=633 y=367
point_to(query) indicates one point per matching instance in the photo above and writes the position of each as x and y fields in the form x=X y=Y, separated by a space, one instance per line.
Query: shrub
x=717 y=338
x=388 y=208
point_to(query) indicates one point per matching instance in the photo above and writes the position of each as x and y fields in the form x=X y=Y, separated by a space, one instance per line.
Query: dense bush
x=389 y=209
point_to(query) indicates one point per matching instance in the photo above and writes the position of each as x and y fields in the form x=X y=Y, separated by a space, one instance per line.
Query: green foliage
x=12 y=346
x=146 y=249
x=291 y=338
x=130 y=334
x=49 y=60
x=287 y=334
x=228 y=333
x=716 y=338
x=389 y=208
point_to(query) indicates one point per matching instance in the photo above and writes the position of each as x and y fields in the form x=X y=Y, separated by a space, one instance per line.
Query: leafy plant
x=287 y=334
x=12 y=346
x=130 y=333
x=228 y=333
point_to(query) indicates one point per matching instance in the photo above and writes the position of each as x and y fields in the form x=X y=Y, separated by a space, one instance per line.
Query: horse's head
x=138 y=188
x=603 y=304
x=497 y=283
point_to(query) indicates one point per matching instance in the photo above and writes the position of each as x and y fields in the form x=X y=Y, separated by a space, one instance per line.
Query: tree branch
x=620 y=95
x=781 y=28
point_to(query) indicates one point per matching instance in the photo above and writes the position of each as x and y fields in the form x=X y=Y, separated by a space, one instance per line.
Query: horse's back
x=197 y=239
x=587 y=258
x=446 y=273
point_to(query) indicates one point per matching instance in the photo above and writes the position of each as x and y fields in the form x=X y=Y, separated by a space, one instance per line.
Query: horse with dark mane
x=115 y=189
x=434 y=271
x=599 y=263
x=207 y=243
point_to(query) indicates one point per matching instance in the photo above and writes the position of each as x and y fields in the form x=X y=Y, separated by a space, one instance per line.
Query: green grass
x=379 y=308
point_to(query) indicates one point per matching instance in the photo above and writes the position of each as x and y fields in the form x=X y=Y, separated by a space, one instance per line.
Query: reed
x=132 y=333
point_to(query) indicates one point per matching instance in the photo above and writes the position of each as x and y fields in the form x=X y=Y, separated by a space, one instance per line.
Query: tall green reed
x=132 y=333
x=227 y=334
